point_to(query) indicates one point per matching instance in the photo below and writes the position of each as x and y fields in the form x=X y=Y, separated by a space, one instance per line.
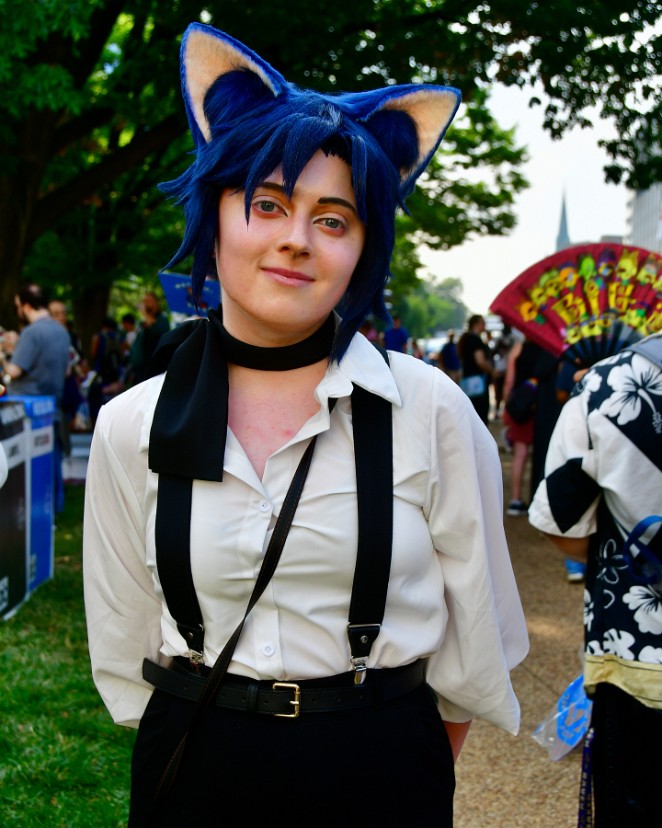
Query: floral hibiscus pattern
x=623 y=616
x=646 y=604
x=634 y=385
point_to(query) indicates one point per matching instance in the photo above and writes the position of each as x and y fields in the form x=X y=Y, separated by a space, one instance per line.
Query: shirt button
x=268 y=650
x=264 y=506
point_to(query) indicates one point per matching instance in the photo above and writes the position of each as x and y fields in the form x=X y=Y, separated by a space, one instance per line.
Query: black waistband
x=292 y=698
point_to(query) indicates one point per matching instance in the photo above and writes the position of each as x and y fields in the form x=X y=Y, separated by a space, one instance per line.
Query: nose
x=295 y=238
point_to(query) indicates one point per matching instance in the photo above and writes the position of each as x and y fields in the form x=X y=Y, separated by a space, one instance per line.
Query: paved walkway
x=505 y=781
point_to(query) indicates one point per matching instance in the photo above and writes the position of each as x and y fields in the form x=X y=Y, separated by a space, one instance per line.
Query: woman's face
x=283 y=273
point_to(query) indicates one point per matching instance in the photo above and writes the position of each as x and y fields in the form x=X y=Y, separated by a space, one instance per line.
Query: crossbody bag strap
x=373 y=454
x=269 y=564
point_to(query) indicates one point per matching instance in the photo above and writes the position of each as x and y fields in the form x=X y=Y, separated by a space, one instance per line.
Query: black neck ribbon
x=190 y=423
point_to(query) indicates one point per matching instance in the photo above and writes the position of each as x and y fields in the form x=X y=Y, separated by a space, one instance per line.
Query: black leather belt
x=288 y=698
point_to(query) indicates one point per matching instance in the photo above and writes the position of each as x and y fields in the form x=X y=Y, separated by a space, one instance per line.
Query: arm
x=13 y=370
x=23 y=356
x=576 y=548
x=485 y=634
x=565 y=504
x=123 y=611
x=509 y=382
x=480 y=358
x=457 y=733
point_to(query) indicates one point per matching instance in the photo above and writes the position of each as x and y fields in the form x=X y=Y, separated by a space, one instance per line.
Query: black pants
x=626 y=760
x=389 y=766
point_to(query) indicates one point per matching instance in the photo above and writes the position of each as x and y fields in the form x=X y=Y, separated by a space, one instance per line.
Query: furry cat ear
x=206 y=54
x=431 y=109
x=407 y=121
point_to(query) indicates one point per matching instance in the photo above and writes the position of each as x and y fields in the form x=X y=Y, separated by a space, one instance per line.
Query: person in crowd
x=71 y=396
x=107 y=364
x=529 y=363
x=293 y=194
x=39 y=363
x=367 y=328
x=501 y=347
x=449 y=360
x=600 y=502
x=476 y=367
x=129 y=333
x=58 y=310
x=154 y=324
x=395 y=336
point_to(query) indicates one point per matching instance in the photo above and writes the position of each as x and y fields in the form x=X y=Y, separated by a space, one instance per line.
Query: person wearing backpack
x=601 y=503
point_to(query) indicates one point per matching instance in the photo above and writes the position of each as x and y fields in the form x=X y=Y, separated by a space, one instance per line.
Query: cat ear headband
x=207 y=53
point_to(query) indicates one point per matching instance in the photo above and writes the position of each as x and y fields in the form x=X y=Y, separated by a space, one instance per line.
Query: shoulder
x=125 y=421
x=426 y=391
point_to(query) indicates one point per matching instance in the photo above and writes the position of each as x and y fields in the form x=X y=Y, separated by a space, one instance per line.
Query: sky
x=572 y=165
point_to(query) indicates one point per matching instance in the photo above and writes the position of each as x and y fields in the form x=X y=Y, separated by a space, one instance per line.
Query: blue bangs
x=252 y=133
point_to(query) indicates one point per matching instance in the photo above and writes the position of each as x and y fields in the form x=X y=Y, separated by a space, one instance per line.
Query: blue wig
x=247 y=120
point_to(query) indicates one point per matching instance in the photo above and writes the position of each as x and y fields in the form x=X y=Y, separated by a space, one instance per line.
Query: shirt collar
x=362 y=365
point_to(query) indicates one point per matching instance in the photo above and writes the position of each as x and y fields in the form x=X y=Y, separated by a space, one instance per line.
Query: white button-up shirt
x=452 y=596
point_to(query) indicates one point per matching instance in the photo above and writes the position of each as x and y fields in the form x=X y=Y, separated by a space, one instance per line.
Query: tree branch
x=57 y=202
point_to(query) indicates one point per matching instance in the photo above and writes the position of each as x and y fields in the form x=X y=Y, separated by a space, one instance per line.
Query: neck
x=36 y=315
x=309 y=351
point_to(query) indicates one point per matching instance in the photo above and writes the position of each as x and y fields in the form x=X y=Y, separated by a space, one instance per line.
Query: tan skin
x=281 y=276
x=576 y=548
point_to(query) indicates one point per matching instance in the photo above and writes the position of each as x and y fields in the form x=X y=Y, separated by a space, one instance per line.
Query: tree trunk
x=90 y=307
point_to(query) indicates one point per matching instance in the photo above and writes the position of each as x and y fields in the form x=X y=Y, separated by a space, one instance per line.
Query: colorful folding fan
x=586 y=302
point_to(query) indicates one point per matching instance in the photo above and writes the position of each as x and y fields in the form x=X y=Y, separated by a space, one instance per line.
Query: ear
x=206 y=54
x=431 y=108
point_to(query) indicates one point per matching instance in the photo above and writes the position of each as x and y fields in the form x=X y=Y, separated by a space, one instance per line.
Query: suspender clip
x=196 y=658
x=360 y=667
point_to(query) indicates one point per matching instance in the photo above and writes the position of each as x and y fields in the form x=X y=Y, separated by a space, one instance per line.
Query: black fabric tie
x=191 y=416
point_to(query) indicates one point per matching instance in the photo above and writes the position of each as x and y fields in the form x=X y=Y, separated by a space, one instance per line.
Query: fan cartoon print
x=586 y=302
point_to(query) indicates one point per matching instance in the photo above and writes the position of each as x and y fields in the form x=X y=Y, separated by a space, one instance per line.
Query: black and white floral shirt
x=603 y=475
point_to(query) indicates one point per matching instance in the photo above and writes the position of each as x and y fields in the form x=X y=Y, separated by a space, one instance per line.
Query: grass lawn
x=63 y=763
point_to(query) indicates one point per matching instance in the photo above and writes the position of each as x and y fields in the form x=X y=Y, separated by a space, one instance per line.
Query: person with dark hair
x=360 y=654
x=476 y=368
x=395 y=336
x=152 y=327
x=449 y=360
x=39 y=363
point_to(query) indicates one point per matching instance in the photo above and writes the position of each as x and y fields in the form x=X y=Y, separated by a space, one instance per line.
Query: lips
x=289 y=275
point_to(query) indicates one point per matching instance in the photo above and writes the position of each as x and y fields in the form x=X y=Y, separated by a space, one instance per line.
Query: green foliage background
x=63 y=763
x=91 y=117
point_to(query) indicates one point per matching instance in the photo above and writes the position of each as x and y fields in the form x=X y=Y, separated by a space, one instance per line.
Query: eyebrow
x=341 y=202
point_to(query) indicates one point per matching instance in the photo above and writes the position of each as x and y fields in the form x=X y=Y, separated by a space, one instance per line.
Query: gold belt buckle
x=295 y=702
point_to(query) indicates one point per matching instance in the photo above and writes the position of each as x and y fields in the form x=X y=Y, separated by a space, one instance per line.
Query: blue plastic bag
x=567 y=724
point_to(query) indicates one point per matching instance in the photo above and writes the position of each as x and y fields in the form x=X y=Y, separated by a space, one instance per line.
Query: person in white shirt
x=293 y=196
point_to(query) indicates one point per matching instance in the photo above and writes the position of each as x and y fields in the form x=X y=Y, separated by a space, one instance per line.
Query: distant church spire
x=563 y=239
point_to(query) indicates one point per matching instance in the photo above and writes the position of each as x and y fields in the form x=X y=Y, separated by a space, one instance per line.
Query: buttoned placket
x=262 y=632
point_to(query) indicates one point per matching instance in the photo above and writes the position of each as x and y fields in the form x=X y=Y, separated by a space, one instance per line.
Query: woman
x=292 y=195
x=476 y=367
x=521 y=368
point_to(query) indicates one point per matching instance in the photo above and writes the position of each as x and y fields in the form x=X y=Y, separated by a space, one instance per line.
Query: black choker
x=307 y=352
x=191 y=416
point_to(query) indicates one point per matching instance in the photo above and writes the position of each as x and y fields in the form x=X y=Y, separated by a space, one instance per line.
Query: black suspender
x=172 y=535
x=373 y=451
x=373 y=455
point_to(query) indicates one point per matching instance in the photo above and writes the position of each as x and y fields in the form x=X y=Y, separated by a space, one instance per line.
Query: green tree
x=433 y=306
x=89 y=90
x=468 y=190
